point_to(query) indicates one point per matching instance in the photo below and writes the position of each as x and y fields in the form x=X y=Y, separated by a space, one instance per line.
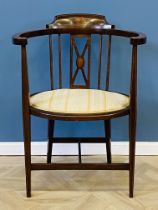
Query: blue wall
x=17 y=16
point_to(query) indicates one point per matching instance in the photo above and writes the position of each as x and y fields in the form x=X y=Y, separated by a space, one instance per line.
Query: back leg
x=107 y=127
x=50 y=140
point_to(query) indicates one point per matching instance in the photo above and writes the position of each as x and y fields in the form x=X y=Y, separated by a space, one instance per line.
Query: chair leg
x=107 y=126
x=132 y=142
x=27 y=150
x=79 y=152
x=50 y=140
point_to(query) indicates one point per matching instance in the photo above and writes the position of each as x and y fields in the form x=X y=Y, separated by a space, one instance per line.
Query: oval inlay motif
x=80 y=62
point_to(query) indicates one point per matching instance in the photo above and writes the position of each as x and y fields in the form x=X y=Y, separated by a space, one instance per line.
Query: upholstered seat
x=82 y=101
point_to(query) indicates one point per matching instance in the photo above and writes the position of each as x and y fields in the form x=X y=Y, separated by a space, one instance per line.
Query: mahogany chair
x=79 y=102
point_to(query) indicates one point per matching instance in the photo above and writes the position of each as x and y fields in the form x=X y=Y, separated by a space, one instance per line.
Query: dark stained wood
x=108 y=64
x=134 y=37
x=83 y=166
x=89 y=61
x=26 y=120
x=79 y=117
x=132 y=120
x=71 y=60
x=79 y=21
x=91 y=16
x=79 y=152
x=100 y=58
x=80 y=61
x=51 y=62
x=50 y=139
x=79 y=30
x=107 y=126
x=77 y=140
x=60 y=61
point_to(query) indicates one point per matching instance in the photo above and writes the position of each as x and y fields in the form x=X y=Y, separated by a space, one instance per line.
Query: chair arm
x=135 y=37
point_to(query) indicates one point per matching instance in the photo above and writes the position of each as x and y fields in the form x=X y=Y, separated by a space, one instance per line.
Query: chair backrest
x=79 y=26
x=80 y=57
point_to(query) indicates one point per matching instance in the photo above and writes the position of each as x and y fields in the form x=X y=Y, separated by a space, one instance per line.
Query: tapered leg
x=132 y=142
x=107 y=126
x=50 y=140
x=27 y=149
x=79 y=152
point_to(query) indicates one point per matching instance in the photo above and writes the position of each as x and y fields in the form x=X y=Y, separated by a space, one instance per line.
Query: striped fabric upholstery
x=80 y=101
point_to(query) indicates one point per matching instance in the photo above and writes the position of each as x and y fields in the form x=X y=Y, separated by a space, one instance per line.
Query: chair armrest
x=135 y=37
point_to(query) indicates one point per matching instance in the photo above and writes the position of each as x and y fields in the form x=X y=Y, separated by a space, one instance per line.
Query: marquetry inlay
x=80 y=62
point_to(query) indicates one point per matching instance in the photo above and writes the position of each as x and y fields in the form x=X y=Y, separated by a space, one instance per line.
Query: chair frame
x=135 y=40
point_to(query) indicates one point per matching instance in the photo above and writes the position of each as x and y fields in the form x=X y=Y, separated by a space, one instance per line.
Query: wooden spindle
x=71 y=61
x=99 y=63
x=108 y=63
x=51 y=62
x=89 y=61
x=60 y=61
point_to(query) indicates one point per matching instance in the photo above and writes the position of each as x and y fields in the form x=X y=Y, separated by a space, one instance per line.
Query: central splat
x=80 y=61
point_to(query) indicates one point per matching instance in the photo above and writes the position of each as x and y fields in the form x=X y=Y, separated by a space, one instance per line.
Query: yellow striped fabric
x=79 y=101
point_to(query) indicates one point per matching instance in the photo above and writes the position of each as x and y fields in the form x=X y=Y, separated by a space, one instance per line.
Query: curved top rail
x=80 y=21
x=136 y=38
x=79 y=15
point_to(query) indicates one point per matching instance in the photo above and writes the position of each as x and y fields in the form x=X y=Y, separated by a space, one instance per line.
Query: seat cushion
x=79 y=101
